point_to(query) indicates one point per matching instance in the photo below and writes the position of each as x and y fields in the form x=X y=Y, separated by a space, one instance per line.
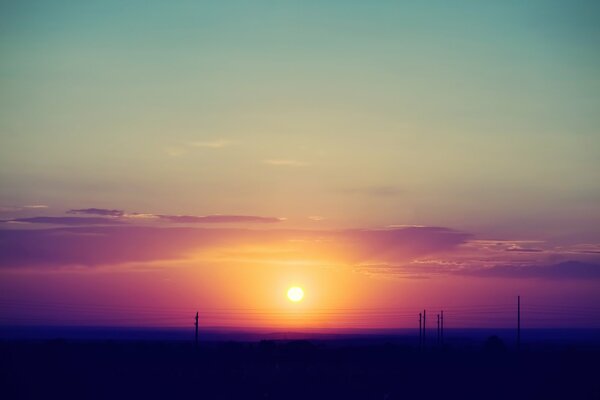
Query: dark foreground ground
x=300 y=369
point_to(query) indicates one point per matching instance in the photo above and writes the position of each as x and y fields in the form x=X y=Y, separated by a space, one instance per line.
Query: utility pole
x=420 y=331
x=196 y=328
x=518 y=323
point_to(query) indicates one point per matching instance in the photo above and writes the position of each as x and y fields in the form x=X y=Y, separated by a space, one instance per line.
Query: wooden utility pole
x=196 y=328
x=518 y=323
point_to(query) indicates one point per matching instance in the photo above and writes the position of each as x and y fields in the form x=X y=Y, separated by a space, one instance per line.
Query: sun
x=295 y=294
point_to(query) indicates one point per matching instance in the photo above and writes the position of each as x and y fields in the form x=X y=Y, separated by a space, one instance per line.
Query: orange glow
x=359 y=279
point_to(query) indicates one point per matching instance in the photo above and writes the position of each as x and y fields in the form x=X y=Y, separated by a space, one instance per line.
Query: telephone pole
x=196 y=328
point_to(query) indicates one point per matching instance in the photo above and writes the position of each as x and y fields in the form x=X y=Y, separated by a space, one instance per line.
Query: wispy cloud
x=65 y=220
x=214 y=144
x=115 y=236
x=218 y=219
x=285 y=162
x=430 y=268
x=182 y=149
x=375 y=191
x=21 y=208
x=126 y=243
x=585 y=248
x=113 y=215
x=520 y=249
x=140 y=216
x=98 y=211
x=564 y=270
x=405 y=226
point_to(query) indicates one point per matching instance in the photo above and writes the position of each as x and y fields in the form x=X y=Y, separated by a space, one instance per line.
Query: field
x=341 y=368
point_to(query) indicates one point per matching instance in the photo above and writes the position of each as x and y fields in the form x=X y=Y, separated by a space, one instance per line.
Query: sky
x=158 y=158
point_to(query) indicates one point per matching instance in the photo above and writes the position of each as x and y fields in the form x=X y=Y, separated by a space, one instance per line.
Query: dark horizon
x=452 y=336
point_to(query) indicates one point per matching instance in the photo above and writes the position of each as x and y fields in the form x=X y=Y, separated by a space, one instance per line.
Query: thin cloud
x=431 y=268
x=214 y=144
x=519 y=249
x=394 y=245
x=409 y=252
x=204 y=219
x=64 y=221
x=585 y=248
x=375 y=191
x=285 y=162
x=126 y=243
x=180 y=150
x=141 y=216
x=564 y=270
x=98 y=211
x=219 y=219
x=21 y=208
x=405 y=226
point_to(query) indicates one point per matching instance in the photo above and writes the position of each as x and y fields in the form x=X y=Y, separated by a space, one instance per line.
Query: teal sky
x=478 y=115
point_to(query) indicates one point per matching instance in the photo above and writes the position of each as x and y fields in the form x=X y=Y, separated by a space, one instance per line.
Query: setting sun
x=295 y=294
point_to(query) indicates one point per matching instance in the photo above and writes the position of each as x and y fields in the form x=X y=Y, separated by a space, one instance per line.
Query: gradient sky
x=386 y=156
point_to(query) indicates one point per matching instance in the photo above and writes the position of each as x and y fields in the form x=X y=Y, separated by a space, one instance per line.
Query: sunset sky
x=158 y=158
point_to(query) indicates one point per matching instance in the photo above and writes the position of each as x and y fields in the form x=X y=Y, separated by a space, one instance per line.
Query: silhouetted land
x=353 y=367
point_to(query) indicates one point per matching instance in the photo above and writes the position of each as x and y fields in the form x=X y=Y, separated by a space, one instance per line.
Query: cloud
x=285 y=162
x=392 y=245
x=412 y=271
x=564 y=270
x=114 y=245
x=21 y=208
x=218 y=219
x=409 y=252
x=520 y=249
x=121 y=244
x=510 y=246
x=98 y=211
x=92 y=246
x=181 y=149
x=375 y=191
x=117 y=216
x=214 y=144
x=316 y=218
x=430 y=268
x=585 y=248
x=64 y=220
x=141 y=216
